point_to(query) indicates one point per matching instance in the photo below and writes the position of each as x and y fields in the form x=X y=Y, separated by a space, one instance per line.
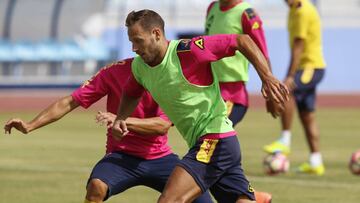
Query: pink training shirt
x=110 y=81
x=195 y=57
x=236 y=91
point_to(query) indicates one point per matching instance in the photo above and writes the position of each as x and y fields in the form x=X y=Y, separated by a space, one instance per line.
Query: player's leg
x=157 y=172
x=96 y=191
x=237 y=113
x=315 y=164
x=263 y=197
x=112 y=175
x=283 y=143
x=201 y=167
x=286 y=124
x=236 y=100
x=207 y=162
x=288 y=114
x=311 y=130
x=307 y=111
x=181 y=187
x=232 y=186
x=307 y=116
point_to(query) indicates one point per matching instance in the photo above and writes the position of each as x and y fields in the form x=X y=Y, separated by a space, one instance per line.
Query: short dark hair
x=148 y=19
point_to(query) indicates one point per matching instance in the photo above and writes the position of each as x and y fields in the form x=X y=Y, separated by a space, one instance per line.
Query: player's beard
x=152 y=55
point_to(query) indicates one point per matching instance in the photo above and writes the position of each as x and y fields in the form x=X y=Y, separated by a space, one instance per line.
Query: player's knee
x=244 y=199
x=96 y=190
x=171 y=199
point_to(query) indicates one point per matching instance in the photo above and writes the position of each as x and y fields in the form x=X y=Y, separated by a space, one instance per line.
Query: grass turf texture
x=52 y=164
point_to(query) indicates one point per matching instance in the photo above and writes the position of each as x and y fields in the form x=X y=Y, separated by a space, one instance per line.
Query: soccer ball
x=276 y=163
x=354 y=164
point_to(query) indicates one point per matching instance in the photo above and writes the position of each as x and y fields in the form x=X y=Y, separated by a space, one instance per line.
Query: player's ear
x=157 y=33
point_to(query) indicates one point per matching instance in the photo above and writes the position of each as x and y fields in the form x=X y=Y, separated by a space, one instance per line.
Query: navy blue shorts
x=305 y=90
x=121 y=171
x=216 y=165
x=237 y=113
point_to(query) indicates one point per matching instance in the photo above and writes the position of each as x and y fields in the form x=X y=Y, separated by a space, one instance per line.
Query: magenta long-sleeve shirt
x=110 y=81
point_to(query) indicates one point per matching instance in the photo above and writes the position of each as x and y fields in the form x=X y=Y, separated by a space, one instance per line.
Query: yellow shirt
x=304 y=23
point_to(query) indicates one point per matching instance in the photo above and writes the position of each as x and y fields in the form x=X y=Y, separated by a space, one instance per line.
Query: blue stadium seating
x=49 y=51
x=96 y=50
x=6 y=51
x=71 y=51
x=25 y=51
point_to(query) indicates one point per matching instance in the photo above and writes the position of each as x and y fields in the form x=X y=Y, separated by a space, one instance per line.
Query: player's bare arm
x=271 y=88
x=143 y=126
x=258 y=36
x=274 y=108
x=51 y=114
x=127 y=106
x=148 y=126
x=297 y=49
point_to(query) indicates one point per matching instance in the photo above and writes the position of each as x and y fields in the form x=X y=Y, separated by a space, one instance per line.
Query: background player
x=305 y=71
x=236 y=17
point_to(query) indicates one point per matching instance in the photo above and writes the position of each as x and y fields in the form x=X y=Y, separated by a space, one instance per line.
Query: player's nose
x=134 y=48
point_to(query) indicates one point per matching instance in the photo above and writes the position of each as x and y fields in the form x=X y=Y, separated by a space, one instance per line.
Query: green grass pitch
x=52 y=164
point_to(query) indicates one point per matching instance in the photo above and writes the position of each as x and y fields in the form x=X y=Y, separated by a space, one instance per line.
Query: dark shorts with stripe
x=305 y=91
x=121 y=171
x=215 y=164
x=237 y=112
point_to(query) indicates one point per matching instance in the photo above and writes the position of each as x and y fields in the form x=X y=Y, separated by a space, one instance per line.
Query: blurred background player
x=145 y=146
x=235 y=17
x=306 y=70
x=178 y=75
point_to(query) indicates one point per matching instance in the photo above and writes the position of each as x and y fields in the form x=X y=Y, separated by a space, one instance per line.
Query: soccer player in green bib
x=178 y=75
x=236 y=17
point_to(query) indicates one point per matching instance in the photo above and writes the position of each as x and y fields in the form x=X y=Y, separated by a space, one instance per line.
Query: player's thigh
x=118 y=171
x=308 y=78
x=232 y=186
x=237 y=113
x=305 y=92
x=158 y=171
x=210 y=159
x=181 y=187
x=204 y=198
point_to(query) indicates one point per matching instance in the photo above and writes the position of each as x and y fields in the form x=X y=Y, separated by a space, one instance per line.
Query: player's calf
x=96 y=191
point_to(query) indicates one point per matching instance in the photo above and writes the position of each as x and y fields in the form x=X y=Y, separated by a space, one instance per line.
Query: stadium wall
x=38 y=99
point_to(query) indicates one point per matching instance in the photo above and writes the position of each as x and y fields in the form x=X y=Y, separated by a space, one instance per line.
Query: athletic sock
x=315 y=159
x=285 y=137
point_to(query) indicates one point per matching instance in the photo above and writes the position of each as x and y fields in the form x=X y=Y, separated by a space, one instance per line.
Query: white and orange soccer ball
x=276 y=163
x=354 y=164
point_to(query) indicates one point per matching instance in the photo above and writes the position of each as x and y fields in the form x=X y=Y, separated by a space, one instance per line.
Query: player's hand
x=275 y=109
x=17 y=124
x=273 y=89
x=290 y=83
x=105 y=118
x=119 y=129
